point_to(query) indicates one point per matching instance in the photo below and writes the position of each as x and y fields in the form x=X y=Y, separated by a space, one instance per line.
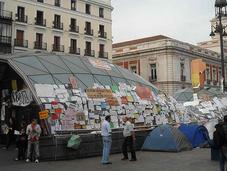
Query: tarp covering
x=196 y=134
x=166 y=138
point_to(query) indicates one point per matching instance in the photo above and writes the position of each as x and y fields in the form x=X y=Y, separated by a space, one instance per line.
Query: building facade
x=166 y=62
x=81 y=27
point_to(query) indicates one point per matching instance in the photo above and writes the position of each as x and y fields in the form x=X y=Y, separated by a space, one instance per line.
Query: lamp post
x=220 y=11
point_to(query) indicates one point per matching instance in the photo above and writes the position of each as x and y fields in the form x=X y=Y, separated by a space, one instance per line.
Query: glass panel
x=52 y=68
x=87 y=79
x=75 y=64
x=120 y=80
x=42 y=79
x=27 y=70
x=114 y=72
x=104 y=80
x=31 y=61
x=92 y=69
x=127 y=74
x=61 y=78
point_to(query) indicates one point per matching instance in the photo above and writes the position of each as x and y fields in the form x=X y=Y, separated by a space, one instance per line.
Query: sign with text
x=22 y=97
x=43 y=114
x=99 y=93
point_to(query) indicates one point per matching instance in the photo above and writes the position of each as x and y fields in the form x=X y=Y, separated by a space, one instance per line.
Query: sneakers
x=27 y=160
x=36 y=161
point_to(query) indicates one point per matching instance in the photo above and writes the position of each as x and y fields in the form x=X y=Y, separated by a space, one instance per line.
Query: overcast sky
x=184 y=20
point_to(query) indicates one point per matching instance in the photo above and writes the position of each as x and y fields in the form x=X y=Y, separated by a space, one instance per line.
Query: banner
x=22 y=97
x=198 y=73
x=99 y=93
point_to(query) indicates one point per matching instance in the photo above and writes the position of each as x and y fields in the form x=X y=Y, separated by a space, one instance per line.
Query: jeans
x=36 y=148
x=128 y=142
x=222 y=158
x=107 y=141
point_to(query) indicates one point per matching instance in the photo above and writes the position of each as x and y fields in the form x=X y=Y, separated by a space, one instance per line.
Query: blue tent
x=197 y=134
x=166 y=138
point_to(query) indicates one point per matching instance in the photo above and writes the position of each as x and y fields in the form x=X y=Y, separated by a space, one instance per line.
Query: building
x=71 y=26
x=166 y=62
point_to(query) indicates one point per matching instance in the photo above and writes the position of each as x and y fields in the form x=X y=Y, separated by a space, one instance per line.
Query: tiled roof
x=137 y=41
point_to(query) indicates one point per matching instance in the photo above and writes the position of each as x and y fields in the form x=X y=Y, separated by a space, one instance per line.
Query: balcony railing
x=57 y=25
x=5 y=14
x=103 y=54
x=215 y=82
x=21 y=43
x=58 y=48
x=40 y=22
x=21 y=18
x=74 y=28
x=5 y=40
x=208 y=82
x=40 y=1
x=152 y=79
x=40 y=45
x=89 y=32
x=89 y=52
x=57 y=3
x=103 y=35
x=183 y=78
x=74 y=50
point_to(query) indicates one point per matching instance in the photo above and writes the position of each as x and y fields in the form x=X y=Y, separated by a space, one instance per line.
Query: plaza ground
x=196 y=160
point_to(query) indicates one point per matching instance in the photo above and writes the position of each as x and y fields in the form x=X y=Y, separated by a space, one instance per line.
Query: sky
x=184 y=20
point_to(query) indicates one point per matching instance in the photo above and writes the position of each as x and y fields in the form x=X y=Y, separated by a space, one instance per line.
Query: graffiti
x=21 y=98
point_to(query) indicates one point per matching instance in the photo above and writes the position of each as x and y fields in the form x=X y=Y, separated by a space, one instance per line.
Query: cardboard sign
x=112 y=101
x=99 y=93
x=21 y=98
x=43 y=114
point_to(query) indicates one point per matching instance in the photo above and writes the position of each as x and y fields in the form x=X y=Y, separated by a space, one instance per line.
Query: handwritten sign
x=43 y=114
x=99 y=93
x=112 y=101
x=21 y=98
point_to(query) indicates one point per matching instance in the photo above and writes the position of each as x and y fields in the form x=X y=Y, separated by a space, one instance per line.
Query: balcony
x=21 y=18
x=151 y=79
x=21 y=43
x=89 y=52
x=208 y=82
x=74 y=29
x=40 y=1
x=103 y=35
x=215 y=82
x=5 y=15
x=58 y=48
x=183 y=78
x=40 y=22
x=74 y=50
x=103 y=54
x=5 y=40
x=89 y=32
x=40 y=45
x=57 y=3
x=57 y=25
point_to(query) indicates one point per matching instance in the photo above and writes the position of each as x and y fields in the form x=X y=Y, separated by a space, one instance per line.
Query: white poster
x=22 y=97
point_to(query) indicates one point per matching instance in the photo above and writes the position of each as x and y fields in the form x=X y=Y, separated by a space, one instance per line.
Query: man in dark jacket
x=221 y=141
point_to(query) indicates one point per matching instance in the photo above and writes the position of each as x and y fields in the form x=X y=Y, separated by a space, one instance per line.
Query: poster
x=99 y=93
x=22 y=97
x=144 y=92
x=43 y=114
x=100 y=64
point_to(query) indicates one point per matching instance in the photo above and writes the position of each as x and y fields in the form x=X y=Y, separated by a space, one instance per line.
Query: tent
x=166 y=138
x=197 y=134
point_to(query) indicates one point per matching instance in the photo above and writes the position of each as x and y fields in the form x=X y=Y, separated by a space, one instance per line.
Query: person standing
x=22 y=142
x=107 y=141
x=221 y=141
x=129 y=139
x=33 y=132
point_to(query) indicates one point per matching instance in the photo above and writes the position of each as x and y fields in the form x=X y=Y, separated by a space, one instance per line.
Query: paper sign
x=43 y=114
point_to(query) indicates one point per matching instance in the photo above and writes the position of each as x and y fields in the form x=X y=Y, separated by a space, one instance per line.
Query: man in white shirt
x=129 y=139
x=106 y=137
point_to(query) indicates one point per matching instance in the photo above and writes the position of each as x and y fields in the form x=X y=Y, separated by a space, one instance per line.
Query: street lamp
x=220 y=11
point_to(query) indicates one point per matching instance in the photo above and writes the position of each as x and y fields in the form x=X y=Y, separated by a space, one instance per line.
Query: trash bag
x=74 y=142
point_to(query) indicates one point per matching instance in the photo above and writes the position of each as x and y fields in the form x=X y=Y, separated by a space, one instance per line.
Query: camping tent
x=166 y=138
x=196 y=134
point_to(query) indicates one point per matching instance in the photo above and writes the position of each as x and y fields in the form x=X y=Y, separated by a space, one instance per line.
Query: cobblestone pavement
x=196 y=160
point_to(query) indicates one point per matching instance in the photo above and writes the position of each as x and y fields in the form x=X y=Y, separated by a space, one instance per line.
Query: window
x=88 y=51
x=88 y=9
x=19 y=41
x=57 y=22
x=153 y=72
x=73 y=5
x=88 y=29
x=214 y=74
x=102 y=53
x=101 y=12
x=39 y=41
x=39 y=18
x=102 y=33
x=73 y=26
x=21 y=14
x=73 y=47
x=57 y=3
x=40 y=1
x=133 y=69
x=183 y=78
